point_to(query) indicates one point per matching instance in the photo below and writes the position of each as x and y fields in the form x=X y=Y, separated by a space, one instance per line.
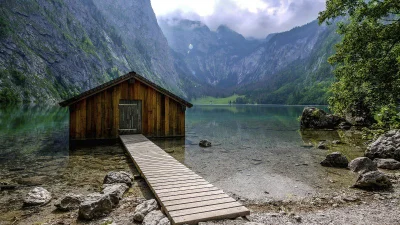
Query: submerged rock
x=95 y=205
x=336 y=142
x=205 y=143
x=118 y=177
x=362 y=165
x=143 y=209
x=386 y=146
x=115 y=191
x=37 y=196
x=322 y=145
x=318 y=119
x=69 y=202
x=389 y=164
x=155 y=217
x=373 y=180
x=335 y=159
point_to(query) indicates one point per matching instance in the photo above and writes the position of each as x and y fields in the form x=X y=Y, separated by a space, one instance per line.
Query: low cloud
x=251 y=18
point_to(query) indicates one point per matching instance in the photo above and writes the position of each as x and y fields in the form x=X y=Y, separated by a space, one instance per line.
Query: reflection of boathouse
x=129 y=104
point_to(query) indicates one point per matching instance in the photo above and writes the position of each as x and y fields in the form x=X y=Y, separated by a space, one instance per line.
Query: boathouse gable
x=129 y=104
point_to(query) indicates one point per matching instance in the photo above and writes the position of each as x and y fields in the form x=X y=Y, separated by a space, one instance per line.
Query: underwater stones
x=204 y=144
x=322 y=145
x=362 y=165
x=336 y=142
x=143 y=209
x=155 y=217
x=69 y=202
x=318 y=119
x=335 y=159
x=95 y=205
x=389 y=164
x=118 y=177
x=37 y=196
x=373 y=180
x=386 y=146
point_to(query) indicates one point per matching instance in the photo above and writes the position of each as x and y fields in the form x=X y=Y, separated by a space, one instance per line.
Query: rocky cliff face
x=53 y=49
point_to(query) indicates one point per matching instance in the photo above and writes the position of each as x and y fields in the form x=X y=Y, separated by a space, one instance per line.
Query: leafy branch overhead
x=368 y=58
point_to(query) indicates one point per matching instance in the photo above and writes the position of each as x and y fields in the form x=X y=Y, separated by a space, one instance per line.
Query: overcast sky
x=251 y=18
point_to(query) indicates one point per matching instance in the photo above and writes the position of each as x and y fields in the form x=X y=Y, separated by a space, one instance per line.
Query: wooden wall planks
x=97 y=117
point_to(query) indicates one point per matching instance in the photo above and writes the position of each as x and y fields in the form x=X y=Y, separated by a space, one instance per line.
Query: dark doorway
x=130 y=117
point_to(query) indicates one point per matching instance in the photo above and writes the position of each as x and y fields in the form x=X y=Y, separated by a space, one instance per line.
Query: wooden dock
x=184 y=196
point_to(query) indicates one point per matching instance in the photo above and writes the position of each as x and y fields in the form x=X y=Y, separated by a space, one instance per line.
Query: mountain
x=53 y=49
x=287 y=68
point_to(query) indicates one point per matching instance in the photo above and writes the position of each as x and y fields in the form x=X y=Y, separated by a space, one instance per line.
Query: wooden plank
x=72 y=122
x=99 y=115
x=190 y=191
x=175 y=186
x=167 y=119
x=212 y=215
x=191 y=195
x=200 y=203
x=202 y=209
x=195 y=199
x=182 y=181
x=166 y=189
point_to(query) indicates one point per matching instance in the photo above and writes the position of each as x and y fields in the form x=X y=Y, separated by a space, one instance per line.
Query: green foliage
x=388 y=117
x=4 y=27
x=212 y=100
x=18 y=77
x=7 y=95
x=87 y=46
x=367 y=60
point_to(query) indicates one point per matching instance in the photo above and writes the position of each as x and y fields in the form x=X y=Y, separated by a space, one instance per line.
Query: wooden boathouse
x=130 y=104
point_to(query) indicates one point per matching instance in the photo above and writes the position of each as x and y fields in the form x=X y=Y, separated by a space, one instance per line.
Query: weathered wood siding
x=97 y=116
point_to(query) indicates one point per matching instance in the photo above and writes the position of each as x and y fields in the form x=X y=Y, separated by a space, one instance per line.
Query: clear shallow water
x=258 y=153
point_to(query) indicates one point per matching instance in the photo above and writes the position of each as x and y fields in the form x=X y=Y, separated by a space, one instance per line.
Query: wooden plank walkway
x=184 y=196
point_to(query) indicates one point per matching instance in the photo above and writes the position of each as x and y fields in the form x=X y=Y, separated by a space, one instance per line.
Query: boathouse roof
x=121 y=79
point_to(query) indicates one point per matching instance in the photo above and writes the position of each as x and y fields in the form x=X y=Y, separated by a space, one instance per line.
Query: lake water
x=258 y=153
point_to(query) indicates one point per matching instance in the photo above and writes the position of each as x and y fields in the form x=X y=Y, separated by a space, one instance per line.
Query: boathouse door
x=130 y=117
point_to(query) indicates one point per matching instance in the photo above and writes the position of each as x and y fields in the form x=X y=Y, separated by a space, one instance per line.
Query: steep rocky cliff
x=53 y=49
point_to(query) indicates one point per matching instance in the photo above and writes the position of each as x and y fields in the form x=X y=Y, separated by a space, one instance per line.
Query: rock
x=297 y=218
x=336 y=142
x=155 y=217
x=362 y=165
x=69 y=202
x=115 y=191
x=318 y=119
x=118 y=177
x=169 y=150
x=32 y=181
x=344 y=125
x=373 y=180
x=143 y=209
x=37 y=196
x=389 y=164
x=386 y=146
x=322 y=145
x=95 y=205
x=205 y=143
x=335 y=159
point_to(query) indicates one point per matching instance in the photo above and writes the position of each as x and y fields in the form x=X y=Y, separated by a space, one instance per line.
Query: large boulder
x=37 y=196
x=69 y=202
x=143 y=209
x=155 y=217
x=373 y=180
x=204 y=144
x=335 y=159
x=118 y=177
x=95 y=205
x=115 y=191
x=389 y=164
x=362 y=165
x=318 y=119
x=386 y=146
